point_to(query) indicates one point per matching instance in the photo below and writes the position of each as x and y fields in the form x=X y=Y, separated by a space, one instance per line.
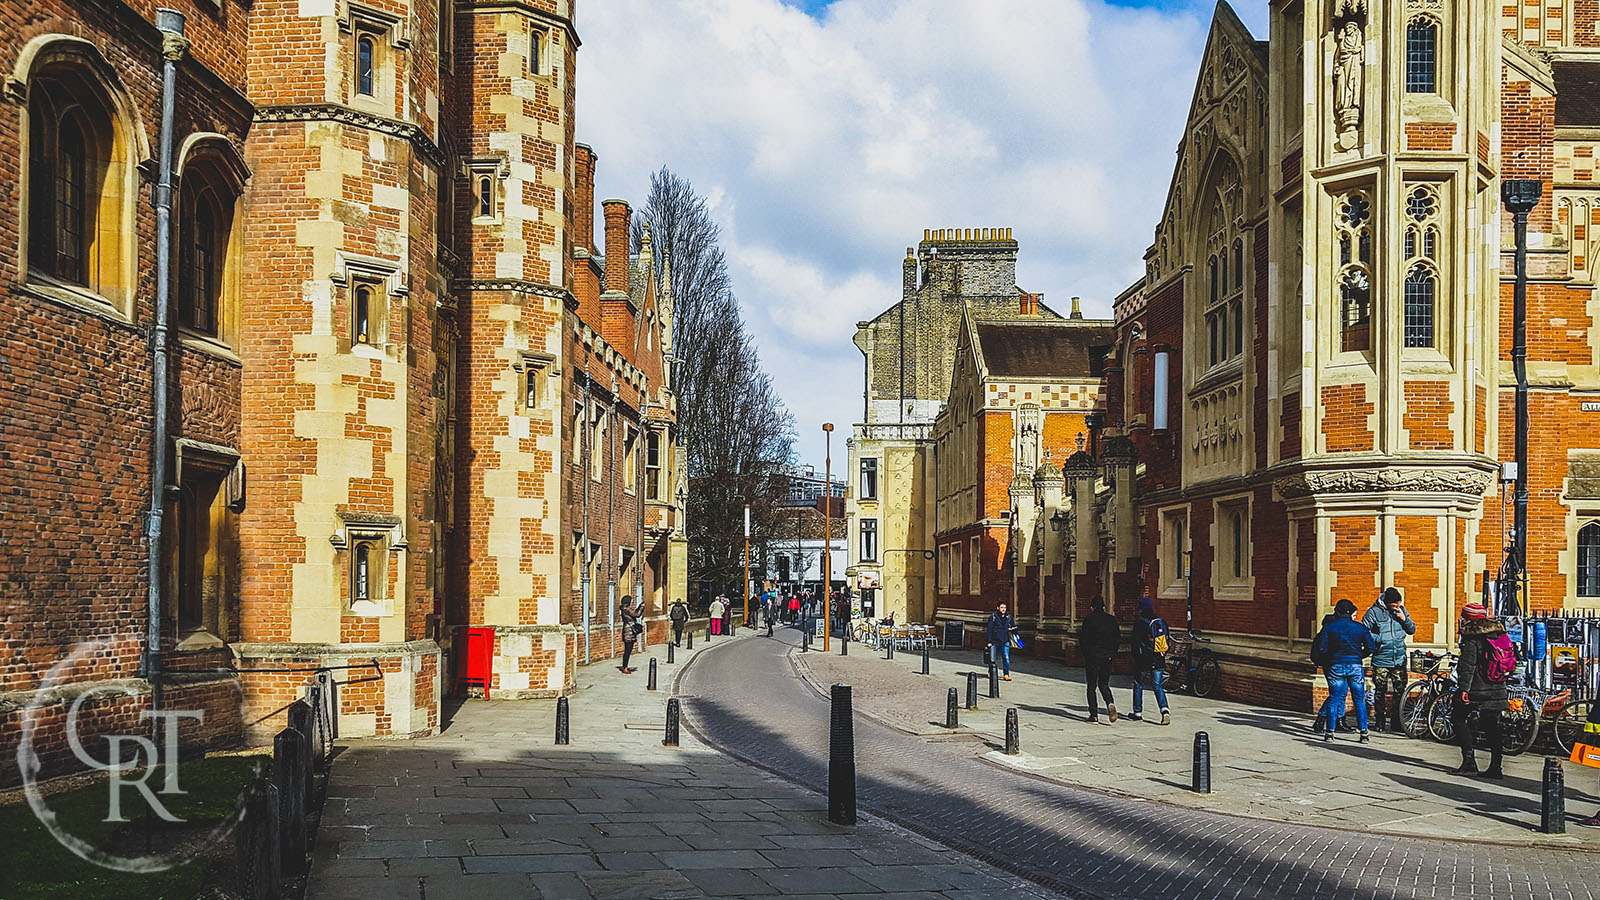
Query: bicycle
x=1519 y=722
x=1191 y=666
x=1417 y=704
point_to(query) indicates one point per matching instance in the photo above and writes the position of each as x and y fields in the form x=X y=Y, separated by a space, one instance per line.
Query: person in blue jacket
x=1340 y=648
x=1001 y=624
x=1391 y=625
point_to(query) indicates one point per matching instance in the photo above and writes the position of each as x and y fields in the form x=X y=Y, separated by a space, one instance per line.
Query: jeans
x=1001 y=653
x=1097 y=672
x=1345 y=679
x=1157 y=676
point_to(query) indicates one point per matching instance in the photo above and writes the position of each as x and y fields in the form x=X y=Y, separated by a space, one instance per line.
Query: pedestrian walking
x=794 y=609
x=679 y=616
x=1099 y=638
x=1321 y=724
x=1487 y=661
x=1340 y=649
x=631 y=629
x=1390 y=625
x=717 y=609
x=1001 y=625
x=1149 y=659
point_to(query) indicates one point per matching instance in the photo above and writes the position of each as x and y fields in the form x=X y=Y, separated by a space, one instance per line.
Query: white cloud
x=826 y=145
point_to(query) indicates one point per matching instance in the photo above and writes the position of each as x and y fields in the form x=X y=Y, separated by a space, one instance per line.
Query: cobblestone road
x=746 y=700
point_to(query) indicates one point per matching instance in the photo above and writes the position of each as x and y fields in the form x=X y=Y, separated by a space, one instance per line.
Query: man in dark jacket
x=679 y=616
x=1098 y=638
x=1477 y=692
x=1148 y=661
x=1001 y=624
x=1340 y=648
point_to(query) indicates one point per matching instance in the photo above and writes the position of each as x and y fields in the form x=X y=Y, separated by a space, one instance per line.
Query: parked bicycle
x=1190 y=665
x=1421 y=696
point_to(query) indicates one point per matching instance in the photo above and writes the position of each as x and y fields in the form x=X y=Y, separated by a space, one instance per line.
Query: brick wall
x=1345 y=412
x=1429 y=416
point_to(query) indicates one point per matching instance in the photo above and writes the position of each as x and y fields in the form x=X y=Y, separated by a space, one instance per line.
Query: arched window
x=1589 y=560
x=366 y=64
x=363 y=315
x=1238 y=262
x=361 y=582
x=1238 y=327
x=63 y=164
x=485 y=197
x=1420 y=290
x=1212 y=265
x=199 y=281
x=1355 y=312
x=1422 y=39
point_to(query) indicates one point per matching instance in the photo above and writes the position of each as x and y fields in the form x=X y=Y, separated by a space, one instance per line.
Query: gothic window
x=1354 y=217
x=535 y=46
x=1212 y=266
x=485 y=197
x=361 y=571
x=1589 y=560
x=1420 y=289
x=205 y=223
x=361 y=316
x=67 y=136
x=1422 y=39
x=1238 y=261
x=1238 y=327
x=630 y=447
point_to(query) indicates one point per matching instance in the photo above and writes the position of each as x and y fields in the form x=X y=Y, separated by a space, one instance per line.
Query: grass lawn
x=37 y=866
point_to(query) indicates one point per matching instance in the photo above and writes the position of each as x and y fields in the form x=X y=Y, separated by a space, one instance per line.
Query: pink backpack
x=1500 y=660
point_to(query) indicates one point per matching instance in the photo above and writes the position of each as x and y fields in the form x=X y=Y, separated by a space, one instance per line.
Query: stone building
x=910 y=349
x=1311 y=391
x=386 y=304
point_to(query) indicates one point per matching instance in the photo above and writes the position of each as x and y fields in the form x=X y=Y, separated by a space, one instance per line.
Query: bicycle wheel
x=1206 y=674
x=1414 y=708
x=1439 y=724
x=1569 y=724
x=1519 y=726
x=1177 y=673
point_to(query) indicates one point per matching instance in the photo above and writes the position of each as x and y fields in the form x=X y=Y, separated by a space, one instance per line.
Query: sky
x=827 y=134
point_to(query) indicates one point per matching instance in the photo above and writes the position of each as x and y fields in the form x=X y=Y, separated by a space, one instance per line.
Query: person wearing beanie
x=1340 y=648
x=1149 y=638
x=1482 y=688
x=1390 y=625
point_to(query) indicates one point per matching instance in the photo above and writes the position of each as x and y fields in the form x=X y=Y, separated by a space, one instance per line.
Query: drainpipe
x=588 y=468
x=173 y=46
x=611 y=517
x=640 y=442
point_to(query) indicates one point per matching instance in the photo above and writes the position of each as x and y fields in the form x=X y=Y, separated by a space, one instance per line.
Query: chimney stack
x=583 y=160
x=1077 y=313
x=618 y=214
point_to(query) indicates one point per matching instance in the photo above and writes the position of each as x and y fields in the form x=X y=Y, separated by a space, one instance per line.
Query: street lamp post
x=827 y=534
x=747 y=565
x=1520 y=197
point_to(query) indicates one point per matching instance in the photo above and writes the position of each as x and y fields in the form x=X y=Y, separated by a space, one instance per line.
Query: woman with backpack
x=1487 y=661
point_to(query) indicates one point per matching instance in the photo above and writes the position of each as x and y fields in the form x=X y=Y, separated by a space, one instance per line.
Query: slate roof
x=1059 y=349
x=1577 y=92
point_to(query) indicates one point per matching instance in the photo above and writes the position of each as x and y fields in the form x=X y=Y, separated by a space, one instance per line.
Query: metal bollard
x=924 y=659
x=972 y=690
x=805 y=641
x=671 y=740
x=651 y=684
x=950 y=720
x=1200 y=777
x=842 y=759
x=844 y=643
x=562 y=734
x=1013 y=740
x=1553 y=805
x=670 y=645
x=288 y=755
x=708 y=632
x=994 y=681
x=688 y=639
x=888 y=648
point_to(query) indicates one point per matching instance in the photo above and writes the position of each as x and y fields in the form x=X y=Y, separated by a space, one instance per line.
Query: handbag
x=1016 y=641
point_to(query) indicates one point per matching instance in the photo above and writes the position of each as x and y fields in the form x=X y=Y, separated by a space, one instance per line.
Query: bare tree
x=735 y=432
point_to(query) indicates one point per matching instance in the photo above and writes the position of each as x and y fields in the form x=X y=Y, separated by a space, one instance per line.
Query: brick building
x=387 y=305
x=1310 y=392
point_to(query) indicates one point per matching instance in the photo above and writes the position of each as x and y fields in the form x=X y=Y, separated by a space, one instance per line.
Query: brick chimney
x=583 y=160
x=618 y=216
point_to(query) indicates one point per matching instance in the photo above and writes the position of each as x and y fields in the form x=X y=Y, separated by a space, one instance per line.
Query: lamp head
x=1521 y=194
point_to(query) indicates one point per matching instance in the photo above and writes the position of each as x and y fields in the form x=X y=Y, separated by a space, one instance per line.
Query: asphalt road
x=745 y=699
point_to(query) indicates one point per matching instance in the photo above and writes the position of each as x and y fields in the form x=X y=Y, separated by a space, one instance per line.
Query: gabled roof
x=1058 y=349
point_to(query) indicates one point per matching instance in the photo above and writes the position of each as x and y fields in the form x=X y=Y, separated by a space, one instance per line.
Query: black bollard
x=1013 y=740
x=842 y=759
x=888 y=649
x=1553 y=807
x=994 y=681
x=924 y=659
x=805 y=640
x=950 y=720
x=670 y=645
x=972 y=690
x=844 y=643
x=671 y=740
x=562 y=734
x=688 y=639
x=651 y=684
x=1201 y=775
x=708 y=632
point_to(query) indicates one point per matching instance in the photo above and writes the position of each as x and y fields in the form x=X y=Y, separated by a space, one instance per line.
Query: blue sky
x=827 y=134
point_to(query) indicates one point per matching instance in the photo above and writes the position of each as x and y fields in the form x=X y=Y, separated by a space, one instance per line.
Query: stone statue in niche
x=1347 y=73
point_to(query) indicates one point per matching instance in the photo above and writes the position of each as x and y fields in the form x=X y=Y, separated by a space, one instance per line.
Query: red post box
x=475 y=659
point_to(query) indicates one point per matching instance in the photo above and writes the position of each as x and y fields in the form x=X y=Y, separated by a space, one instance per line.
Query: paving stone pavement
x=1088 y=843
x=492 y=808
x=1266 y=763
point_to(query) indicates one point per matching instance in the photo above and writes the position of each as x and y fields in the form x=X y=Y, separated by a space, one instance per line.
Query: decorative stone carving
x=1348 y=60
x=1360 y=481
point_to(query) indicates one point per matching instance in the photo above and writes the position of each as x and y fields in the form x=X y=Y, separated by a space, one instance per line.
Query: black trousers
x=1486 y=721
x=1097 y=672
x=677 y=632
x=627 y=652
